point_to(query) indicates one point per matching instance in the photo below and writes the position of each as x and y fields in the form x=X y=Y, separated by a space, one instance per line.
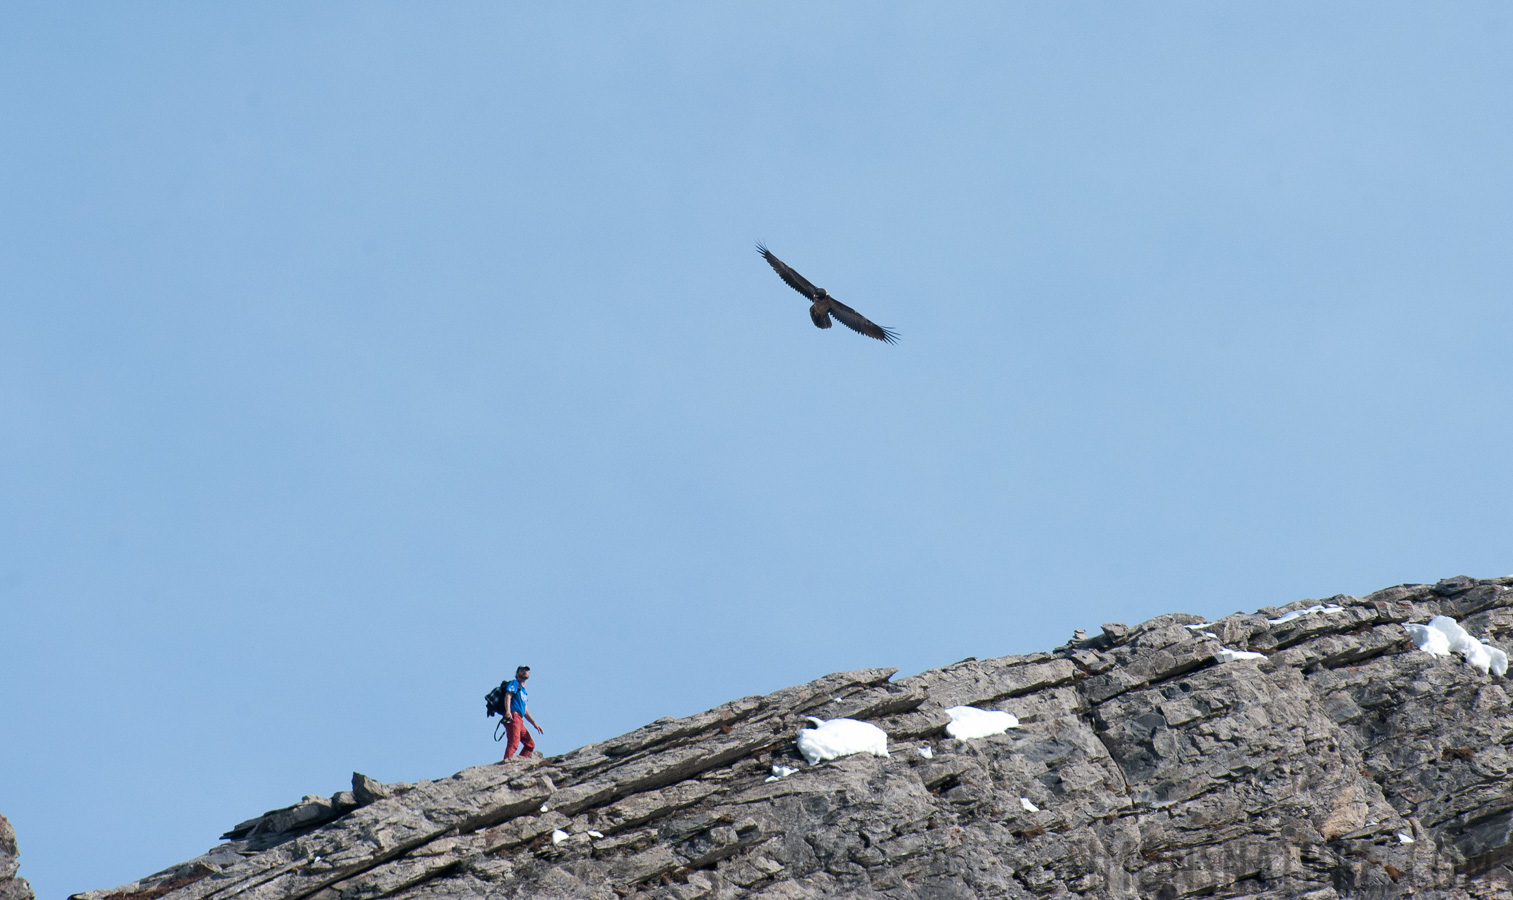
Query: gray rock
x=1344 y=763
x=278 y=825
x=366 y=790
x=12 y=886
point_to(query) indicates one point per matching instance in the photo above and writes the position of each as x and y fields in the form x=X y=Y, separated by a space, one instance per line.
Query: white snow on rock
x=1028 y=806
x=1403 y=838
x=1444 y=636
x=558 y=836
x=1479 y=656
x=969 y=722
x=1300 y=613
x=926 y=752
x=1227 y=655
x=596 y=834
x=1430 y=640
x=780 y=772
x=840 y=737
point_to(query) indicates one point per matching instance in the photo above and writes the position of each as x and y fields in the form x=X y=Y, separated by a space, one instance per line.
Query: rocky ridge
x=1342 y=762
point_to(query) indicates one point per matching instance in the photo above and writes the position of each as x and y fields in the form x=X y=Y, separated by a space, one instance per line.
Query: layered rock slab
x=1343 y=762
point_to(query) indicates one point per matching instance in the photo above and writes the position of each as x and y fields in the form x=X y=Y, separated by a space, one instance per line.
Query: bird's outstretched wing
x=794 y=279
x=860 y=323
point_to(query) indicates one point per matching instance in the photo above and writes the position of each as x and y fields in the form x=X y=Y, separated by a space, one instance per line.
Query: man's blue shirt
x=518 y=696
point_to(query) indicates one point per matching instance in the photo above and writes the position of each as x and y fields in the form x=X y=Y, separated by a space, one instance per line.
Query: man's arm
x=532 y=719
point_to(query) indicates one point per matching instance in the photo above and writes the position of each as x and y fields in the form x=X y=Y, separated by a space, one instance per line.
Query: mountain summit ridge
x=1305 y=751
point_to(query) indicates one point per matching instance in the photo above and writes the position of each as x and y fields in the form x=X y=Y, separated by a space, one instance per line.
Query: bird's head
x=824 y=294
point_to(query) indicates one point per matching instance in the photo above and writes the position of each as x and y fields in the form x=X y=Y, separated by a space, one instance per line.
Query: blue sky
x=351 y=354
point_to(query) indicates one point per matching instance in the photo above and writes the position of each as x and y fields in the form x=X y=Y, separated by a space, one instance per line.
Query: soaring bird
x=824 y=306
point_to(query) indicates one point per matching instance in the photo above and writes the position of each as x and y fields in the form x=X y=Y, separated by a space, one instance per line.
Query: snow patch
x=1300 y=613
x=1444 y=636
x=780 y=772
x=558 y=836
x=1028 y=806
x=543 y=808
x=969 y=722
x=1227 y=655
x=1403 y=838
x=926 y=752
x=596 y=834
x=840 y=737
x=1430 y=640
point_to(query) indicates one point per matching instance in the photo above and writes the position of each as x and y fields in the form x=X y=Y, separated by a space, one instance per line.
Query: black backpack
x=496 y=700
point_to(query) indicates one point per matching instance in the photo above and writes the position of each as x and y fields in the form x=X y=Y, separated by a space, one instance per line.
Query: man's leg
x=527 y=743
x=514 y=730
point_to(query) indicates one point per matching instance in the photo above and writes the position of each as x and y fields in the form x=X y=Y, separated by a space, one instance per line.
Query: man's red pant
x=517 y=736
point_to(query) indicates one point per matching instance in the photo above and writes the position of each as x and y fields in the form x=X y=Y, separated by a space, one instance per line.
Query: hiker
x=515 y=708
